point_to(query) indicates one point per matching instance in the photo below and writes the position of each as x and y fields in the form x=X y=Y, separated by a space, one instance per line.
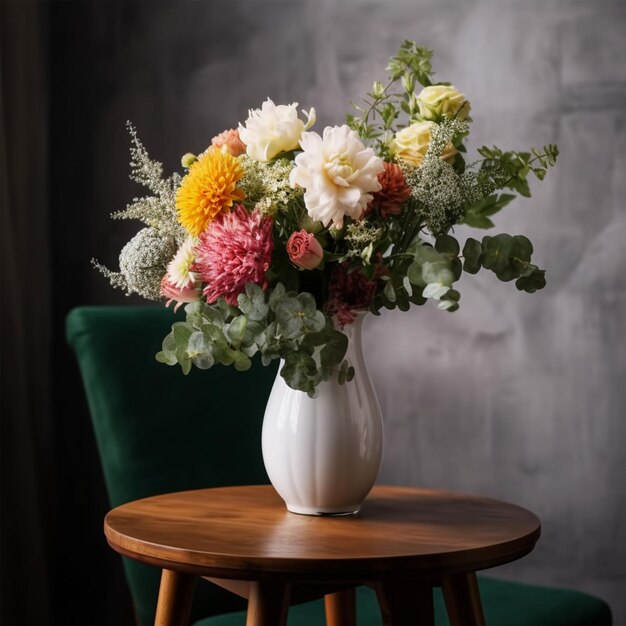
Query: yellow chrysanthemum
x=210 y=188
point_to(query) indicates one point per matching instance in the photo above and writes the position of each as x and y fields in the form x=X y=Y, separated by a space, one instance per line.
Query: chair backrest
x=159 y=431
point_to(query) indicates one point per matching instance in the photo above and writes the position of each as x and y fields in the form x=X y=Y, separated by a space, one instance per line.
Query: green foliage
x=277 y=324
x=378 y=112
x=471 y=256
x=412 y=63
x=508 y=257
x=510 y=169
x=477 y=215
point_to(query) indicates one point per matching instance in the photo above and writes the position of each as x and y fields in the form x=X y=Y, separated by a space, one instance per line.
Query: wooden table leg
x=462 y=598
x=268 y=604
x=341 y=608
x=406 y=603
x=175 y=595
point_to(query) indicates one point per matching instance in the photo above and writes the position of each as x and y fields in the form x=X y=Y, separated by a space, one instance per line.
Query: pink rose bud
x=304 y=250
x=186 y=294
x=230 y=139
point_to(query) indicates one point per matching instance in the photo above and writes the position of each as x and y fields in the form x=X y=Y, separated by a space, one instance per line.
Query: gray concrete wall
x=515 y=396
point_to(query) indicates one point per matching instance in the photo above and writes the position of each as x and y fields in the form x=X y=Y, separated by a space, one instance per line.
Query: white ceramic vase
x=323 y=454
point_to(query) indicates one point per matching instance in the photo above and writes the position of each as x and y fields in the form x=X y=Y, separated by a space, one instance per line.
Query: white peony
x=273 y=129
x=338 y=173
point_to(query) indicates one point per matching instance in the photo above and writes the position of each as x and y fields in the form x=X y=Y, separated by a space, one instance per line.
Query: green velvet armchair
x=158 y=431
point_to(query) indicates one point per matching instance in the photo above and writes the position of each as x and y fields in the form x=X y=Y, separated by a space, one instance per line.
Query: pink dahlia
x=235 y=249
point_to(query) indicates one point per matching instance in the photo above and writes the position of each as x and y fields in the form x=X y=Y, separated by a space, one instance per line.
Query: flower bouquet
x=276 y=236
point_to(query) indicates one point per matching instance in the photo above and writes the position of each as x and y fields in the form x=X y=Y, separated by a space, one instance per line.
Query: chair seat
x=505 y=604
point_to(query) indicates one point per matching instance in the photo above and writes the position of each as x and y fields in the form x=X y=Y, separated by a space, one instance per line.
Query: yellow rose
x=411 y=144
x=438 y=100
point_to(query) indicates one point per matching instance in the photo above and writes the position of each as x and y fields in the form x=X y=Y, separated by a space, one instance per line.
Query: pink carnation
x=230 y=139
x=304 y=250
x=235 y=249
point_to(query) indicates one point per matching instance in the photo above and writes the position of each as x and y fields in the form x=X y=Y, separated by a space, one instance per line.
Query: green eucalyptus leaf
x=241 y=361
x=181 y=332
x=507 y=256
x=299 y=372
x=406 y=283
x=168 y=358
x=532 y=282
x=203 y=361
x=437 y=272
x=456 y=267
x=236 y=330
x=446 y=244
x=169 y=343
x=335 y=348
x=472 y=251
x=418 y=298
x=414 y=274
x=452 y=294
x=403 y=302
x=390 y=292
x=298 y=315
x=252 y=302
x=341 y=375
x=277 y=294
x=198 y=344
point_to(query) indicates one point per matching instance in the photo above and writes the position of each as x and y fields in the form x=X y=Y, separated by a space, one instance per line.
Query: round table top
x=247 y=533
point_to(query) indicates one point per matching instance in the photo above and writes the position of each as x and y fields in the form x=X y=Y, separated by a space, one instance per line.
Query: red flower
x=394 y=193
x=350 y=292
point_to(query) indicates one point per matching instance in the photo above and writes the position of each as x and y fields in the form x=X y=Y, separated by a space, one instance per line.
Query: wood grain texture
x=340 y=608
x=246 y=532
x=462 y=598
x=175 y=595
x=268 y=604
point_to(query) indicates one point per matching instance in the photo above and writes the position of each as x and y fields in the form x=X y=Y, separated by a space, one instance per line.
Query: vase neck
x=354 y=334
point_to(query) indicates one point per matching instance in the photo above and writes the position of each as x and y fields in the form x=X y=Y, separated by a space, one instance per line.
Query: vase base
x=323 y=512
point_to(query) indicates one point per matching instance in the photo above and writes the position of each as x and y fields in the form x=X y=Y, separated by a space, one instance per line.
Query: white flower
x=179 y=268
x=273 y=129
x=338 y=173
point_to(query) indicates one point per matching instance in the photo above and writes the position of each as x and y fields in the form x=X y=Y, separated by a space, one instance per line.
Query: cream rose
x=338 y=174
x=411 y=144
x=438 y=100
x=273 y=129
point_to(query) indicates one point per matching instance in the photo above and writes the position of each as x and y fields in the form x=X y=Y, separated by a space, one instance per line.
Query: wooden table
x=403 y=542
